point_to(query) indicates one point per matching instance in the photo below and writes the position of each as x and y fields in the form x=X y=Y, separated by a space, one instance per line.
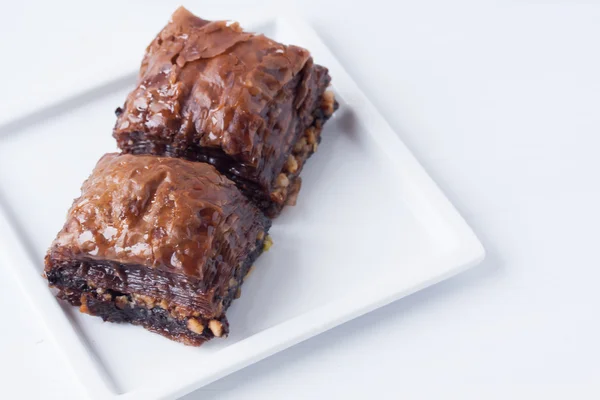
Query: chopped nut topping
x=266 y=245
x=195 y=326
x=84 y=308
x=279 y=195
x=238 y=293
x=121 y=302
x=328 y=103
x=291 y=165
x=299 y=146
x=311 y=135
x=260 y=236
x=282 y=181
x=293 y=194
x=164 y=304
x=179 y=312
x=216 y=327
x=144 y=300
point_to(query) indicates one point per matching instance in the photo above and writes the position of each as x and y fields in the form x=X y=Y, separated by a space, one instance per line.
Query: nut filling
x=190 y=331
x=287 y=184
x=162 y=316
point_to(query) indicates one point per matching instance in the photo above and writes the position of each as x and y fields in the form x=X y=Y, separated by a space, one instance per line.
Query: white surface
x=500 y=103
x=366 y=182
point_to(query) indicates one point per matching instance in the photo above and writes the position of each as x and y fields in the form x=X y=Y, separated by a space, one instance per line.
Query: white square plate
x=370 y=227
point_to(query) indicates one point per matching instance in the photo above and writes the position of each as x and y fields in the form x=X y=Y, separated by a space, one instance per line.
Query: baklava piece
x=210 y=92
x=159 y=242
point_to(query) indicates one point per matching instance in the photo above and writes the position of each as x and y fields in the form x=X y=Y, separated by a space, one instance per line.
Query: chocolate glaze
x=211 y=85
x=161 y=213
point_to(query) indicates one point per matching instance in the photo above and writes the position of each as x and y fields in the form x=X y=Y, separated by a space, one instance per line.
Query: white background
x=501 y=104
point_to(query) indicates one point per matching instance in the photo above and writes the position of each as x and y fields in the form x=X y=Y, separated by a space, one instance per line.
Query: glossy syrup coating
x=161 y=213
x=210 y=85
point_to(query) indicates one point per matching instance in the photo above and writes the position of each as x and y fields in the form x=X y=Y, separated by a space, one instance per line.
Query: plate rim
x=90 y=372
